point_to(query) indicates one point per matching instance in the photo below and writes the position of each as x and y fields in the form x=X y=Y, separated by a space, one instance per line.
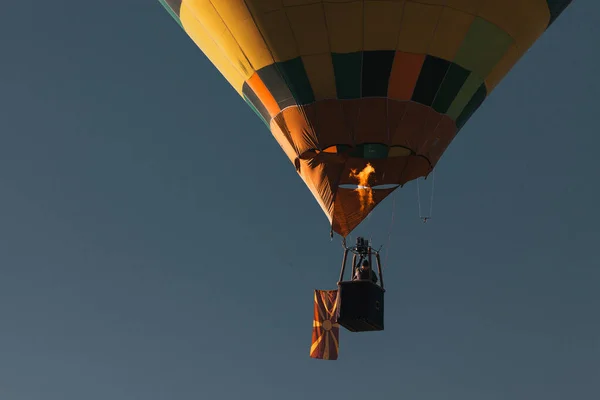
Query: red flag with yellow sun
x=326 y=330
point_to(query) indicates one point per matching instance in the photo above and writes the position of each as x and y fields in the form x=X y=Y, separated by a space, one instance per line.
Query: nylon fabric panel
x=423 y=138
x=396 y=111
x=430 y=2
x=432 y=74
x=345 y=26
x=523 y=20
x=371 y=123
x=348 y=74
x=277 y=85
x=468 y=6
x=308 y=26
x=416 y=167
x=252 y=99
x=398 y=151
x=330 y=125
x=409 y=126
x=239 y=22
x=451 y=31
x=278 y=125
x=284 y=141
x=204 y=12
x=417 y=28
x=451 y=85
x=296 y=121
x=376 y=69
x=463 y=97
x=389 y=171
x=483 y=48
x=418 y=126
x=312 y=178
x=322 y=178
x=319 y=69
x=293 y=3
x=264 y=6
x=263 y=94
x=351 y=109
x=211 y=50
x=295 y=77
x=471 y=106
x=404 y=75
x=277 y=32
x=263 y=115
x=382 y=24
x=443 y=135
x=348 y=212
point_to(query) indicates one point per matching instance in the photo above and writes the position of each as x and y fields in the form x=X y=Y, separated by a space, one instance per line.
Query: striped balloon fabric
x=342 y=84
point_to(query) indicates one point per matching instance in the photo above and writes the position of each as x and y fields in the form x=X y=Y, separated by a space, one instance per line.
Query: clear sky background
x=156 y=243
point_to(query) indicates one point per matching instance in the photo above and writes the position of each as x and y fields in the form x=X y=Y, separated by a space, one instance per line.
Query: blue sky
x=155 y=242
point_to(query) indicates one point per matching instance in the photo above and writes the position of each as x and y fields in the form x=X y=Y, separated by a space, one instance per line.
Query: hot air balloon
x=363 y=96
x=345 y=84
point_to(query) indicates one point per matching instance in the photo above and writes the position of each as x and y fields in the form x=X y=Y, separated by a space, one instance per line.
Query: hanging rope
x=427 y=217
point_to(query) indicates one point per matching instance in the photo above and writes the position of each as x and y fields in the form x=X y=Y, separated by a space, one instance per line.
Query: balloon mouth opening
x=362 y=187
x=367 y=151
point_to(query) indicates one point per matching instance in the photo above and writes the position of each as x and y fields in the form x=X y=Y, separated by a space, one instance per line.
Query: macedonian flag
x=326 y=330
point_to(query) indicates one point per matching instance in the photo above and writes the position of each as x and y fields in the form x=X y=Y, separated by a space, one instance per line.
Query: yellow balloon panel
x=523 y=20
x=382 y=21
x=345 y=26
x=236 y=16
x=450 y=32
x=418 y=27
x=213 y=52
x=309 y=28
x=319 y=69
x=207 y=16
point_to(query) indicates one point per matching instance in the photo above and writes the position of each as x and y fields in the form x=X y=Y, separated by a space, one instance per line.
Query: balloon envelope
x=348 y=85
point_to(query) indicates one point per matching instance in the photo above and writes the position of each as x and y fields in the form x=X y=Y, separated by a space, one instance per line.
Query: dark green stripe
x=556 y=8
x=296 y=78
x=277 y=85
x=255 y=103
x=471 y=106
x=453 y=82
x=347 y=69
x=376 y=70
x=432 y=74
x=174 y=8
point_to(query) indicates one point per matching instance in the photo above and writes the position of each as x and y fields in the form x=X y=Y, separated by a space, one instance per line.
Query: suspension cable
x=424 y=218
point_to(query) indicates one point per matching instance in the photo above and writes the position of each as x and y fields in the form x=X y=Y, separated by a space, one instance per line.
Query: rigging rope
x=424 y=218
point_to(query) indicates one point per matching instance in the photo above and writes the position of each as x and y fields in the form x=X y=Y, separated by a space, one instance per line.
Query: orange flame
x=364 y=190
